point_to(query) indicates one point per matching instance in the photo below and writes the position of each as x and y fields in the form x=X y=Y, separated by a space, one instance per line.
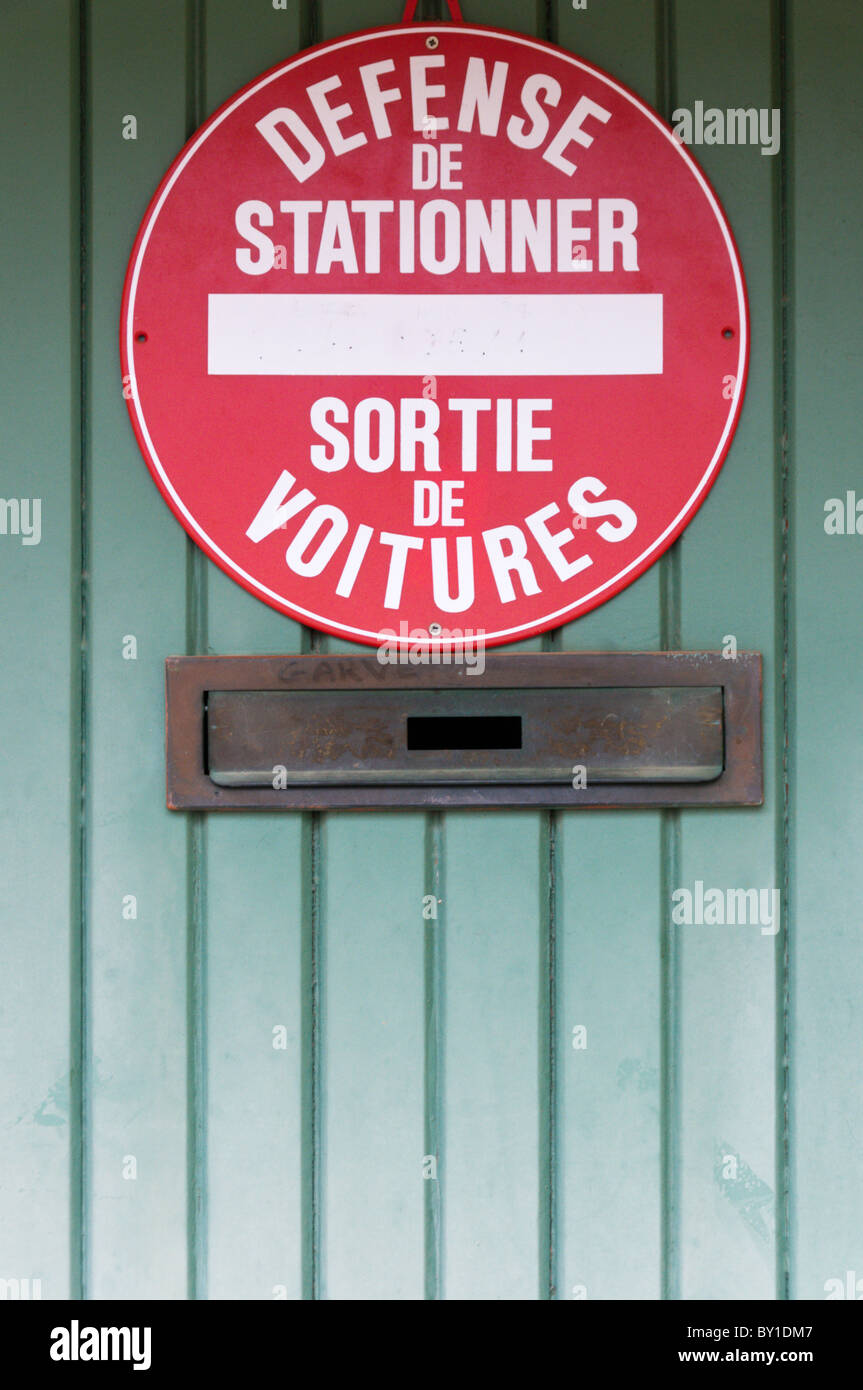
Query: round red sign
x=436 y=330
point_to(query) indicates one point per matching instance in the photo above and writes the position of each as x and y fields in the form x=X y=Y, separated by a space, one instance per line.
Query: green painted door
x=239 y=1060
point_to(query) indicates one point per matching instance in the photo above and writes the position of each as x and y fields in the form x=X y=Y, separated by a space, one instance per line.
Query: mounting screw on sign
x=457 y=383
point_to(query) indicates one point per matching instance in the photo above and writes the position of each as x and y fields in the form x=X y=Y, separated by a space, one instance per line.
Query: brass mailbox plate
x=358 y=737
x=649 y=728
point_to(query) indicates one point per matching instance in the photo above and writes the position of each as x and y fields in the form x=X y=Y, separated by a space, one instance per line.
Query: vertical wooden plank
x=137 y=1028
x=40 y=582
x=491 y=1176
x=609 y=981
x=609 y=1057
x=335 y=17
x=491 y=921
x=728 y=585
x=372 y=983
x=376 y=1247
x=372 y=1065
x=825 y=656
x=254 y=888
x=521 y=16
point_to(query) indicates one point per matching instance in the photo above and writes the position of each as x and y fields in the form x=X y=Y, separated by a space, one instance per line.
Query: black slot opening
x=427 y=733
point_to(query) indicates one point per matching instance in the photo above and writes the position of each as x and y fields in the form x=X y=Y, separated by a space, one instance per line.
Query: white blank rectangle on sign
x=435 y=335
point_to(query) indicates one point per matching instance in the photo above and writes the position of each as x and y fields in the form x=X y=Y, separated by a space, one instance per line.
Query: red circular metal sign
x=434 y=329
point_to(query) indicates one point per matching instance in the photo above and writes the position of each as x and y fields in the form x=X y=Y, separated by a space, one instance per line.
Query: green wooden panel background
x=238 y=1061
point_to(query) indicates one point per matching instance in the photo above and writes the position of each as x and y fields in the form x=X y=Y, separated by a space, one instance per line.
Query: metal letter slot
x=566 y=730
x=363 y=737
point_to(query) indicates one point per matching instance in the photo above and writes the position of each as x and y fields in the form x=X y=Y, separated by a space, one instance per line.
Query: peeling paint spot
x=633 y=1072
x=752 y=1198
x=54 y=1109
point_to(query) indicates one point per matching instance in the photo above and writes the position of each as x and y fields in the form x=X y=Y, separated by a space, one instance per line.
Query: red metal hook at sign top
x=454 y=9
